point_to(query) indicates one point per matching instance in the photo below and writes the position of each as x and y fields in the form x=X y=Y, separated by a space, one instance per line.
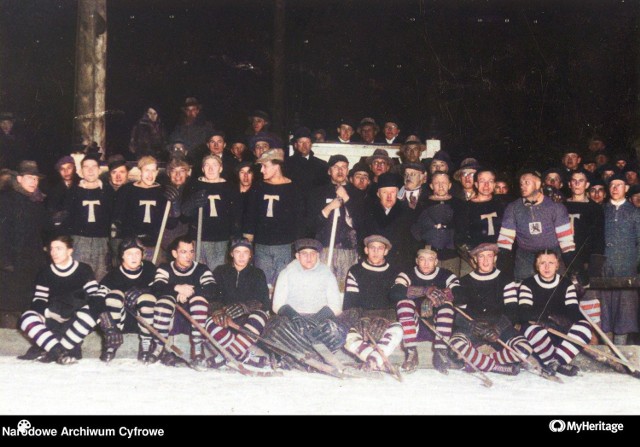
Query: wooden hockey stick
x=592 y=350
x=634 y=371
x=332 y=239
x=534 y=368
x=163 y=225
x=228 y=357
x=485 y=380
x=199 y=234
x=395 y=372
x=155 y=333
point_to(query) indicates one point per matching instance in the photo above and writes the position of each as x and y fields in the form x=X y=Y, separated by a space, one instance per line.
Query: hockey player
x=482 y=216
x=535 y=223
x=140 y=206
x=221 y=211
x=62 y=289
x=340 y=198
x=432 y=288
x=241 y=295
x=307 y=296
x=367 y=308
x=89 y=206
x=546 y=299
x=483 y=294
x=275 y=216
x=181 y=282
x=129 y=287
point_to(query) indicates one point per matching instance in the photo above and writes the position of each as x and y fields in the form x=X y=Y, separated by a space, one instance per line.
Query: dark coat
x=24 y=229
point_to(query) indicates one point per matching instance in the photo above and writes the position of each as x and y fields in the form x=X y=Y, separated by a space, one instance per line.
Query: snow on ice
x=127 y=387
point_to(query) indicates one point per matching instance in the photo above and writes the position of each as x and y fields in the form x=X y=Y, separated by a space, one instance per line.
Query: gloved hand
x=485 y=331
x=131 y=298
x=171 y=193
x=236 y=310
x=426 y=309
x=377 y=327
x=439 y=296
x=329 y=333
x=112 y=335
x=220 y=318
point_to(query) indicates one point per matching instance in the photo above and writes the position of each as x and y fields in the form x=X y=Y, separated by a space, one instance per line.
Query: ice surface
x=127 y=387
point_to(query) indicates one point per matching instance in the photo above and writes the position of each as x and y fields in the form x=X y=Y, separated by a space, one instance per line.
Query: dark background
x=512 y=82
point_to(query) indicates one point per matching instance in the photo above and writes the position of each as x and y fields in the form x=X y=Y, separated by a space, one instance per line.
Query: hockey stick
x=634 y=371
x=155 y=333
x=596 y=352
x=485 y=380
x=163 y=225
x=395 y=372
x=228 y=357
x=534 y=368
x=199 y=234
x=280 y=349
x=332 y=239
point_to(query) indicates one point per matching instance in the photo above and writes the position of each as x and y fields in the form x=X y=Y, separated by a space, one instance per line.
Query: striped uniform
x=407 y=309
x=367 y=288
x=483 y=299
x=167 y=277
x=556 y=304
x=61 y=293
x=126 y=288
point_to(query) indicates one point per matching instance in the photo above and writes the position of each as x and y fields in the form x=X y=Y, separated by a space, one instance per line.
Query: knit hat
x=337 y=158
x=302 y=244
x=241 y=242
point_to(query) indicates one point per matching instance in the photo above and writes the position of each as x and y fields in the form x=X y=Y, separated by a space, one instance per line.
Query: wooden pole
x=90 y=82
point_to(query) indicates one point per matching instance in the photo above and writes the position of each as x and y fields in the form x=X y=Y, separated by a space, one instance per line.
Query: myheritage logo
x=23 y=426
x=557 y=425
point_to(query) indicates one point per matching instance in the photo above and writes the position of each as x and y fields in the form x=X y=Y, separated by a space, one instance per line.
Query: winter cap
x=261 y=136
x=214 y=133
x=379 y=154
x=337 y=158
x=377 y=238
x=389 y=179
x=442 y=156
x=302 y=244
x=259 y=114
x=271 y=155
x=64 y=160
x=241 y=242
x=417 y=166
x=426 y=252
x=29 y=167
x=128 y=243
x=467 y=163
x=360 y=167
x=485 y=246
x=301 y=132
x=191 y=101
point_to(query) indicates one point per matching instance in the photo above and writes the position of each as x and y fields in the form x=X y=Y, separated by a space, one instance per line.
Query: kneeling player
x=62 y=292
x=367 y=306
x=439 y=286
x=545 y=299
x=241 y=291
x=483 y=294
